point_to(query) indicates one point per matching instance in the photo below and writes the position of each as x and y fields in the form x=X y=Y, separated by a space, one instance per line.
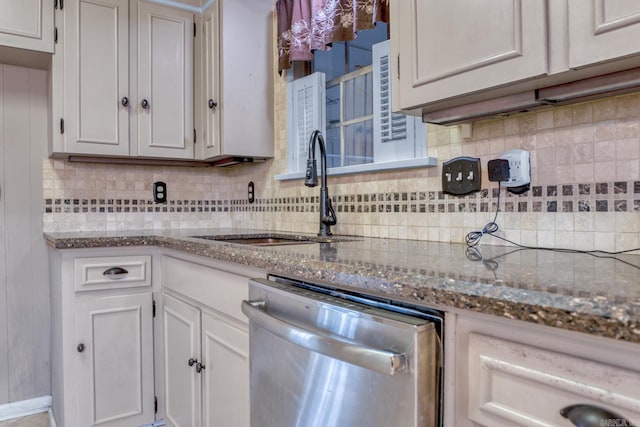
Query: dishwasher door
x=321 y=361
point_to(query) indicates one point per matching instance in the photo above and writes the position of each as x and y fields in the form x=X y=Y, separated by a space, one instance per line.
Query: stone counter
x=578 y=292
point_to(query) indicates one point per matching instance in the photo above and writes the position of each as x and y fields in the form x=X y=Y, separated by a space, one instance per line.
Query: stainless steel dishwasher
x=322 y=357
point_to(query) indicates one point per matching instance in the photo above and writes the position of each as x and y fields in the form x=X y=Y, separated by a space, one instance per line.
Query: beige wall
x=577 y=148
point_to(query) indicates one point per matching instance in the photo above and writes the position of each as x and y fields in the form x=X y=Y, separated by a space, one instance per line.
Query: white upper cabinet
x=211 y=145
x=96 y=77
x=27 y=24
x=165 y=82
x=455 y=47
x=122 y=80
x=458 y=60
x=236 y=100
x=602 y=30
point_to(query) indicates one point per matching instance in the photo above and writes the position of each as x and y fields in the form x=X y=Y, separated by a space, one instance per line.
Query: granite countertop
x=579 y=292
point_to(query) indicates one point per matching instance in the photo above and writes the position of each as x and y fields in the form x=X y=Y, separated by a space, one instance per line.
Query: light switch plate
x=461 y=175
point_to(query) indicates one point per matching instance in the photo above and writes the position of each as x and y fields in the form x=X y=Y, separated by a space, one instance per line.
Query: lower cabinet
x=102 y=337
x=205 y=343
x=206 y=368
x=526 y=375
x=115 y=348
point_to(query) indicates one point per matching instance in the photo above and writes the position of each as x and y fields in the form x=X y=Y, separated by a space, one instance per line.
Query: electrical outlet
x=461 y=175
x=519 y=171
x=159 y=192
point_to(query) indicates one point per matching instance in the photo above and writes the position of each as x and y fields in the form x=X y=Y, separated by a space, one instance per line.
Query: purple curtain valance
x=307 y=25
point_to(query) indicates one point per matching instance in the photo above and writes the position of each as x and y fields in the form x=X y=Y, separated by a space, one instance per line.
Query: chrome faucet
x=327 y=214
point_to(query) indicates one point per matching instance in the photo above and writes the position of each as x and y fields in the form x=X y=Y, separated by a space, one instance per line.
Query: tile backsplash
x=585 y=193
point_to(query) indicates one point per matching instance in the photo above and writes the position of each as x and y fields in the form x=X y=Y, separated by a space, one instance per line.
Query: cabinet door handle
x=199 y=367
x=192 y=361
x=115 y=272
x=124 y=101
x=144 y=104
x=583 y=415
x=212 y=104
x=80 y=348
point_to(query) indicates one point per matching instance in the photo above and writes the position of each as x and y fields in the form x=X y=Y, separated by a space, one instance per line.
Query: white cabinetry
x=122 y=80
x=457 y=53
x=510 y=373
x=457 y=47
x=205 y=342
x=165 y=82
x=27 y=24
x=102 y=330
x=235 y=105
x=602 y=30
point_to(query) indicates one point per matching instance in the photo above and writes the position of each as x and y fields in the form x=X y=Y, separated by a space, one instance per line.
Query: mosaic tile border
x=618 y=196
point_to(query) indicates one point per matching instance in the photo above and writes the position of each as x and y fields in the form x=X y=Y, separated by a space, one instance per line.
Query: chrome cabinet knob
x=192 y=361
x=199 y=367
x=144 y=104
x=212 y=104
x=124 y=101
x=80 y=348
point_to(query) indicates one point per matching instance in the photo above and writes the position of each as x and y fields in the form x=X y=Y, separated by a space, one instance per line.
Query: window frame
x=296 y=171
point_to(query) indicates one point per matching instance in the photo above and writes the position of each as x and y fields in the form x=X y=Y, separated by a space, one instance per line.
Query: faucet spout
x=327 y=214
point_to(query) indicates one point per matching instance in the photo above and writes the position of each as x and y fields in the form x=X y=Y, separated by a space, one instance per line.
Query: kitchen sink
x=273 y=239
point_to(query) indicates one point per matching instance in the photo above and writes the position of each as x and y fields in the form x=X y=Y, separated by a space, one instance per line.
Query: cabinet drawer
x=217 y=289
x=515 y=384
x=92 y=274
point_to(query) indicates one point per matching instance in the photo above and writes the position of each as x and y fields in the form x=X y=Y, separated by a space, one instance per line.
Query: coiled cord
x=473 y=238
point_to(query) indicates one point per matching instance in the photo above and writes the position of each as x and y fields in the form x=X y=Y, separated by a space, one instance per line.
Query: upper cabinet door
x=449 y=48
x=211 y=58
x=165 y=82
x=96 y=77
x=27 y=24
x=602 y=30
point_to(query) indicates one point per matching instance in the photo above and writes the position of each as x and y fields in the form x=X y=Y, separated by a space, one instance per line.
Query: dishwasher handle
x=381 y=361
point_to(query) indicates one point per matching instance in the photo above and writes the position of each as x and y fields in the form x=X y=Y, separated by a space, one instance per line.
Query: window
x=348 y=98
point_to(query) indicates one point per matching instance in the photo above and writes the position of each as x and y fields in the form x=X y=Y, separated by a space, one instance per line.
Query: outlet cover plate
x=519 y=168
x=461 y=175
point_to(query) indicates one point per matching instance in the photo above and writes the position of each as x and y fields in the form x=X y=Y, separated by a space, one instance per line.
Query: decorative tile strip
x=589 y=197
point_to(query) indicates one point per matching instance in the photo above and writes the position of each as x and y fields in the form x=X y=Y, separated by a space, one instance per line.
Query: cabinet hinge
x=62 y=126
x=58 y=4
x=194 y=136
x=153 y=308
x=194 y=29
x=155 y=404
x=55 y=35
x=398 y=66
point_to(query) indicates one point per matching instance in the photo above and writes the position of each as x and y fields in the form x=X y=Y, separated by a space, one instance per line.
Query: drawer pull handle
x=591 y=416
x=115 y=273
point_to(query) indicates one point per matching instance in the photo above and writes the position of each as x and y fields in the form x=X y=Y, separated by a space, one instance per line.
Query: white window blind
x=306 y=113
x=398 y=140
x=396 y=136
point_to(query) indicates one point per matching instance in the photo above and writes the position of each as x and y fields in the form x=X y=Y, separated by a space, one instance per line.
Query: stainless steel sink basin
x=272 y=239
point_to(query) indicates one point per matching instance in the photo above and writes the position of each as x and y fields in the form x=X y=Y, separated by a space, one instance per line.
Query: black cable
x=473 y=239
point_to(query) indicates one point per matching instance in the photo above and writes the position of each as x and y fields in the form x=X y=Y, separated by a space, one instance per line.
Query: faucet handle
x=311 y=175
x=331 y=218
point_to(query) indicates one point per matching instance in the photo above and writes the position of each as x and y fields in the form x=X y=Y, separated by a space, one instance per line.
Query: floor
x=38 y=420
